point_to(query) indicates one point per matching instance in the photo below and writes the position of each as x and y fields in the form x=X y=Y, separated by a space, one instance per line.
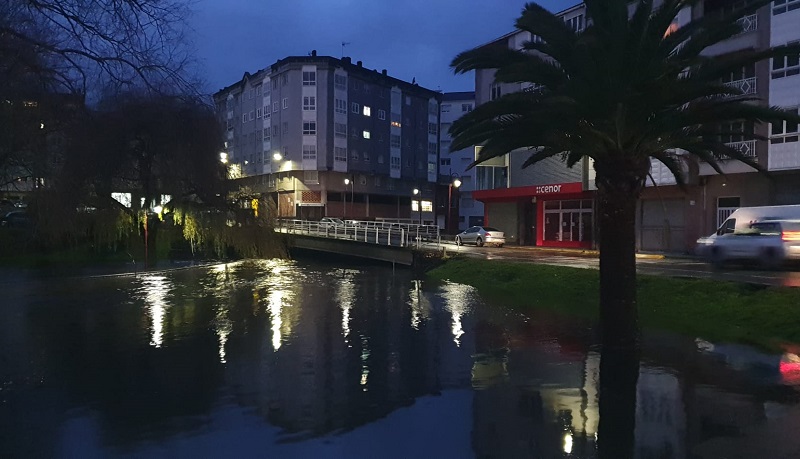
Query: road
x=646 y=264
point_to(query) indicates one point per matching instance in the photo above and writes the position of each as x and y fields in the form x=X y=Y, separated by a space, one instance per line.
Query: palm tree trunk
x=617 y=230
x=618 y=188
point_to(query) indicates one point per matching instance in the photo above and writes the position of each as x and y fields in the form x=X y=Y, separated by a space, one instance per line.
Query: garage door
x=663 y=226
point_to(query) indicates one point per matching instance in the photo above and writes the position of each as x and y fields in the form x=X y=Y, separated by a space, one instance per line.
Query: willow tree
x=630 y=88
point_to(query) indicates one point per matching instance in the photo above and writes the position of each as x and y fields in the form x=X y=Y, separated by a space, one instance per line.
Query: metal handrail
x=371 y=232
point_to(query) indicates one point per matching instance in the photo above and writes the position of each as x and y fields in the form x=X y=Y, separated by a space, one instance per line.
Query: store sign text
x=548 y=189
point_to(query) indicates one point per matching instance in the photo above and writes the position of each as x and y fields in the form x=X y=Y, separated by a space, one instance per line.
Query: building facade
x=551 y=205
x=328 y=137
x=545 y=205
x=461 y=210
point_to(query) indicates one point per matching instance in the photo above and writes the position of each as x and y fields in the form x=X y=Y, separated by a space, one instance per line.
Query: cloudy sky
x=408 y=38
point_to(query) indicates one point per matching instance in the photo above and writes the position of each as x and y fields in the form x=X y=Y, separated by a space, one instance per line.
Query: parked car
x=330 y=222
x=16 y=219
x=480 y=235
x=770 y=243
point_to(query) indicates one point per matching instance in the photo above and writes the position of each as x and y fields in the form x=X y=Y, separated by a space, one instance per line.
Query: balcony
x=746 y=86
x=748 y=23
x=746 y=147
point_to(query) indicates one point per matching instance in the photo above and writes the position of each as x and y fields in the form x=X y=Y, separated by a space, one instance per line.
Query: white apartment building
x=463 y=210
x=669 y=219
x=328 y=137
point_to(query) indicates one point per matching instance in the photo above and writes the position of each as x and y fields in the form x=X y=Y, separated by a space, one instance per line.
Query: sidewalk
x=577 y=252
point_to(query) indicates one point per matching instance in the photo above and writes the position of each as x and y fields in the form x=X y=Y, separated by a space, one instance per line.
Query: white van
x=744 y=236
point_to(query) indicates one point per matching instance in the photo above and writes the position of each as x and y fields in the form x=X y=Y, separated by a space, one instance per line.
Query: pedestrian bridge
x=383 y=240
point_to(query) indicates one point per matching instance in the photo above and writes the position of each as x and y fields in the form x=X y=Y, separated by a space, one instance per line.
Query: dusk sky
x=409 y=38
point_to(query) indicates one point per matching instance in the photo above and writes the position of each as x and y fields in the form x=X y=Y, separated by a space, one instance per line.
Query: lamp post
x=347 y=181
x=455 y=182
x=277 y=157
x=419 y=204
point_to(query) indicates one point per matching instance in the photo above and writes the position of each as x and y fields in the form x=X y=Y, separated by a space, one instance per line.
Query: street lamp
x=419 y=204
x=456 y=182
x=347 y=182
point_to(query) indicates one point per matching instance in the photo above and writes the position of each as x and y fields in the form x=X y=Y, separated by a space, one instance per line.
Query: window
x=285 y=79
x=340 y=82
x=309 y=152
x=575 y=23
x=396 y=124
x=309 y=103
x=496 y=91
x=353 y=155
x=433 y=129
x=276 y=131
x=310 y=78
x=339 y=154
x=275 y=84
x=432 y=150
x=355 y=108
x=285 y=102
x=786 y=66
x=339 y=129
x=285 y=152
x=341 y=106
x=394 y=141
x=265 y=111
x=366 y=134
x=381 y=114
x=431 y=167
x=355 y=84
x=378 y=181
x=285 y=128
x=362 y=179
x=394 y=162
x=275 y=107
x=311 y=177
x=381 y=159
x=309 y=127
x=445 y=108
x=367 y=111
x=249 y=93
x=782 y=6
x=258 y=90
x=258 y=113
x=366 y=88
x=252 y=115
x=365 y=156
x=266 y=134
x=244 y=117
x=783 y=131
x=259 y=135
x=466 y=108
x=444 y=161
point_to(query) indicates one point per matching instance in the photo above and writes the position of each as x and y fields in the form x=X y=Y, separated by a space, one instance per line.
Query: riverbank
x=767 y=317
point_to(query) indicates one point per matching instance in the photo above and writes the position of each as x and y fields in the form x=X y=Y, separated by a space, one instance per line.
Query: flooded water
x=288 y=359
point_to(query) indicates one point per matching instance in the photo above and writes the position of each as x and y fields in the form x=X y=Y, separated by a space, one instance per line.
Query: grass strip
x=766 y=317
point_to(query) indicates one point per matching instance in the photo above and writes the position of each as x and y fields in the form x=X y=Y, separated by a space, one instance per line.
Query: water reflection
x=155 y=290
x=298 y=359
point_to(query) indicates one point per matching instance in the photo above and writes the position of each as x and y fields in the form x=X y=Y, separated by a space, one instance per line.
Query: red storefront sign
x=507 y=194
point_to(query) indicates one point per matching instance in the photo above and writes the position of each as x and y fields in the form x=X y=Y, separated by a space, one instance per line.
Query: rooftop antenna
x=344 y=43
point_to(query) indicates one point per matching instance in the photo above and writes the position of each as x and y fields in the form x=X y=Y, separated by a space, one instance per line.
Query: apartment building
x=462 y=210
x=551 y=205
x=328 y=137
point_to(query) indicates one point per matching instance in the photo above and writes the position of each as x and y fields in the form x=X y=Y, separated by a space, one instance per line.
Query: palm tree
x=627 y=89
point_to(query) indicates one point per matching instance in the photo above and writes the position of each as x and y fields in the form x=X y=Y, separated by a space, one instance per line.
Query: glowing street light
x=223 y=157
x=277 y=156
x=456 y=182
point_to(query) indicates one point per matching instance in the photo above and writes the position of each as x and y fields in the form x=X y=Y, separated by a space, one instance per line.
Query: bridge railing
x=374 y=232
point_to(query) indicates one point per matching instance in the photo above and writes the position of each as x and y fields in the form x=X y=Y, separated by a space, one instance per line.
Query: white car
x=771 y=243
x=480 y=235
x=330 y=222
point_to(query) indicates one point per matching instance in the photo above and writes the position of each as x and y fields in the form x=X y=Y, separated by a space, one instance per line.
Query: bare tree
x=71 y=44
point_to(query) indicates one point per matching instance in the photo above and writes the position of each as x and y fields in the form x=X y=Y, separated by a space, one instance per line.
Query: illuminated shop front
x=556 y=215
